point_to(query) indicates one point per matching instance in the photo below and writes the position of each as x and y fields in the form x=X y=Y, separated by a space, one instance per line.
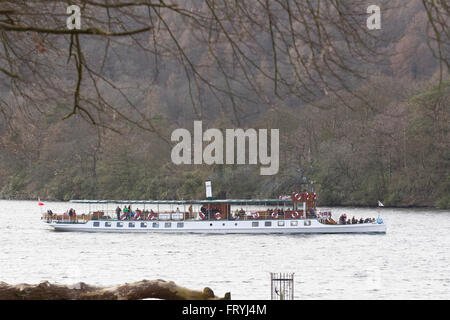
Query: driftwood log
x=144 y=289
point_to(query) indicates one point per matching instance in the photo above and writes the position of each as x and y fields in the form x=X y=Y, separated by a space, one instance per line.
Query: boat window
x=168 y=225
x=280 y=223
x=180 y=225
x=119 y=224
x=268 y=223
x=255 y=224
x=294 y=223
x=131 y=224
x=155 y=225
x=235 y=224
x=143 y=224
x=307 y=223
x=96 y=224
x=107 y=224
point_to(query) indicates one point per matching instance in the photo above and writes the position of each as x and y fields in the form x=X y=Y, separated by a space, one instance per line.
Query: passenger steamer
x=288 y=215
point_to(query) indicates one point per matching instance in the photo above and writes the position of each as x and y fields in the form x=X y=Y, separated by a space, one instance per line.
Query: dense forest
x=383 y=136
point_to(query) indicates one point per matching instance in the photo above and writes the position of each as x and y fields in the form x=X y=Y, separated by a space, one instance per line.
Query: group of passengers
x=71 y=213
x=343 y=220
x=127 y=214
x=209 y=212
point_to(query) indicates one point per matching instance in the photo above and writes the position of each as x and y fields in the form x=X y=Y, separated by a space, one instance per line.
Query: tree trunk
x=158 y=289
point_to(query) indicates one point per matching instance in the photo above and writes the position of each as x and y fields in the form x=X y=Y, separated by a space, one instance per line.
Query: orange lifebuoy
x=218 y=216
x=298 y=196
x=294 y=215
x=274 y=215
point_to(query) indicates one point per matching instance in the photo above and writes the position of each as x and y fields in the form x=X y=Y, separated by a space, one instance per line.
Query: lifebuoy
x=151 y=216
x=202 y=215
x=298 y=196
x=307 y=196
x=255 y=215
x=274 y=215
x=218 y=216
x=294 y=215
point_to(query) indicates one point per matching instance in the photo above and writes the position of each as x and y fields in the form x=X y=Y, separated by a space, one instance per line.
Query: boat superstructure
x=296 y=213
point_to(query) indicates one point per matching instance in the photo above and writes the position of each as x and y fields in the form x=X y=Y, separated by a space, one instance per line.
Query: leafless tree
x=308 y=48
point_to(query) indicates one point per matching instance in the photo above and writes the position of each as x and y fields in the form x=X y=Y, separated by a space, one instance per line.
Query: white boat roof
x=206 y=201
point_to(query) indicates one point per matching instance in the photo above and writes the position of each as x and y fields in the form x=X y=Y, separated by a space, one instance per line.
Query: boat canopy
x=180 y=202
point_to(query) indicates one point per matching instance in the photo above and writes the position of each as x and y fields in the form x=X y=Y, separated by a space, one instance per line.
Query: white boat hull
x=220 y=227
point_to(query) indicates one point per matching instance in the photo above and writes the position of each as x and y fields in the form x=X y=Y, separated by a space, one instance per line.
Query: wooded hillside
x=367 y=127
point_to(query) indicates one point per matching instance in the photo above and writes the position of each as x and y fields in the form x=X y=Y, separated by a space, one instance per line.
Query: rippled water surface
x=411 y=261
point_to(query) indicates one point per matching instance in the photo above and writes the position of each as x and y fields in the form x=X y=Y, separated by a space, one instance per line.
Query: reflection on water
x=411 y=261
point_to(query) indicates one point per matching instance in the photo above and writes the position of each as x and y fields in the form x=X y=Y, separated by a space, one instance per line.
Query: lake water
x=411 y=261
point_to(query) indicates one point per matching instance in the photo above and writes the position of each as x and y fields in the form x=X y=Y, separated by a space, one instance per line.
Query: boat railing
x=110 y=215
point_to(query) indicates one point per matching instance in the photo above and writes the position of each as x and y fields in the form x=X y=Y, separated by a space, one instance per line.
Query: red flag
x=39 y=202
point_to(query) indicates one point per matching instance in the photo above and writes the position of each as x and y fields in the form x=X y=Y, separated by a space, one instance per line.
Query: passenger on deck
x=342 y=219
x=354 y=221
x=349 y=221
x=236 y=214
x=125 y=212
x=203 y=210
x=118 y=211
x=178 y=210
x=361 y=220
